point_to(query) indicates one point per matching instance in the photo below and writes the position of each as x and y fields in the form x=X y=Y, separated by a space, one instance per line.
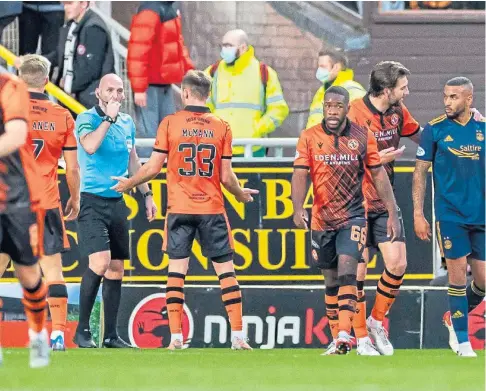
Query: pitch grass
x=221 y=369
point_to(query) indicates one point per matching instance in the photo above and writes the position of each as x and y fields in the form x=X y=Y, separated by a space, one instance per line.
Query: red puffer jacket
x=156 y=50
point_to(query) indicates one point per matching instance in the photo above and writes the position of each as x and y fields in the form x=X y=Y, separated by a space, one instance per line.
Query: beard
x=455 y=114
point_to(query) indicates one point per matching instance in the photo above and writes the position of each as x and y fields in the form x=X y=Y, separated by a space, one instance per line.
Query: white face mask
x=322 y=75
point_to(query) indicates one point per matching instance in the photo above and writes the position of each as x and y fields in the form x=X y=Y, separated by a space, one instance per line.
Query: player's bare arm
x=92 y=141
x=417 y=136
x=385 y=191
x=134 y=166
x=231 y=183
x=420 y=223
x=299 y=189
x=14 y=136
x=140 y=174
x=73 y=181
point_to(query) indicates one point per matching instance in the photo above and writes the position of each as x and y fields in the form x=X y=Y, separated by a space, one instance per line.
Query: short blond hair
x=34 y=70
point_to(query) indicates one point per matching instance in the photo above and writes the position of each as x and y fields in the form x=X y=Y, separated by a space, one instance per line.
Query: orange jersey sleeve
x=373 y=159
x=70 y=140
x=14 y=99
x=410 y=124
x=302 y=153
x=162 y=139
x=227 y=144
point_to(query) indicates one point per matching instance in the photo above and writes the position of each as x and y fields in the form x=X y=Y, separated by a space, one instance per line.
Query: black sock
x=90 y=284
x=111 y=302
x=474 y=296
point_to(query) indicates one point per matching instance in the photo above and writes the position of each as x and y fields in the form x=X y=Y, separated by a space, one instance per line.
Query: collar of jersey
x=371 y=107
x=101 y=113
x=345 y=131
x=197 y=109
x=38 y=96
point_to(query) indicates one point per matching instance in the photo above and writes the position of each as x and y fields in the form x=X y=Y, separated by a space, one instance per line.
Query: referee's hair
x=34 y=70
x=338 y=90
x=460 y=81
x=385 y=74
x=198 y=82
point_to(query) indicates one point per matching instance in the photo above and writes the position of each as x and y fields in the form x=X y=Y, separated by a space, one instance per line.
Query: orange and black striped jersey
x=337 y=164
x=52 y=131
x=18 y=171
x=196 y=141
x=388 y=128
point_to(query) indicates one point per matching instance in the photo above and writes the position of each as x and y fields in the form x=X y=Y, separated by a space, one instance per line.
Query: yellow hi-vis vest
x=237 y=96
x=345 y=80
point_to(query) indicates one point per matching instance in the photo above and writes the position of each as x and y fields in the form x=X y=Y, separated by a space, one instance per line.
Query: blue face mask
x=228 y=54
x=322 y=75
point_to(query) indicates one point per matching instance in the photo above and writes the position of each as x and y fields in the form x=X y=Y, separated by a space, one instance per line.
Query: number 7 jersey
x=196 y=141
x=52 y=132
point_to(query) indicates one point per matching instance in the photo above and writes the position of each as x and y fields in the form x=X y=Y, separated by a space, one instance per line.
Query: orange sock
x=175 y=301
x=347 y=307
x=35 y=306
x=58 y=302
x=231 y=295
x=332 y=309
x=359 y=320
x=386 y=292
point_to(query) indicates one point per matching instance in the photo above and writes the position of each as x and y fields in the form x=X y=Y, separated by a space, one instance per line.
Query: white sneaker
x=331 y=349
x=238 y=343
x=453 y=342
x=57 y=341
x=366 y=347
x=343 y=343
x=380 y=336
x=39 y=349
x=465 y=350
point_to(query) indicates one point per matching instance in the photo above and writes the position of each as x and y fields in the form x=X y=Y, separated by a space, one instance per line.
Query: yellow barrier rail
x=51 y=89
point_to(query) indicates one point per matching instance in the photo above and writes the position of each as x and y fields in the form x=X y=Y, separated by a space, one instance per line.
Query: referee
x=106 y=148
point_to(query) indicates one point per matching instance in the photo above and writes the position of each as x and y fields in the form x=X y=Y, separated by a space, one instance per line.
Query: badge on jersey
x=420 y=151
x=129 y=144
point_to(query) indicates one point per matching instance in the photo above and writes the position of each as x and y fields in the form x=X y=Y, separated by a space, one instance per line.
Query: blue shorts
x=459 y=240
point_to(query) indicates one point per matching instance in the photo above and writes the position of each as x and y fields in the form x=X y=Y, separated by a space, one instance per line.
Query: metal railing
x=276 y=144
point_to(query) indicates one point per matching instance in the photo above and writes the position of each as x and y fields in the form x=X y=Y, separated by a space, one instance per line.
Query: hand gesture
x=123 y=185
x=390 y=154
x=112 y=108
x=246 y=195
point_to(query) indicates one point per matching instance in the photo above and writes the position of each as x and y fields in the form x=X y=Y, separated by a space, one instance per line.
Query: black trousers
x=33 y=24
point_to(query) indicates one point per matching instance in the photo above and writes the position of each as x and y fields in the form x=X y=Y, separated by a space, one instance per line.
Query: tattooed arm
x=420 y=224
